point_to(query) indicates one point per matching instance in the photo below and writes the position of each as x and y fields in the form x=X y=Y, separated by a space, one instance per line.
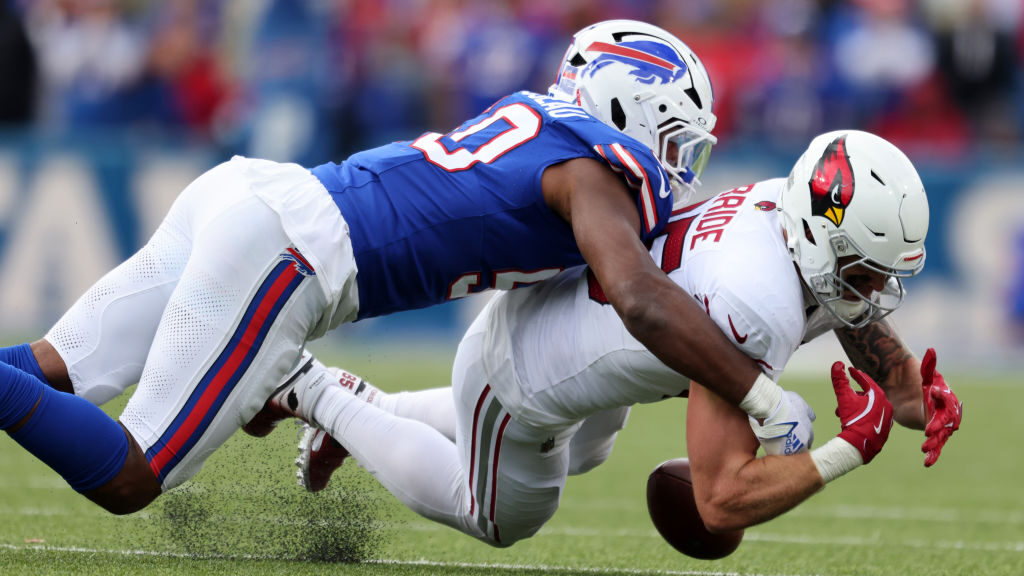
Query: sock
x=434 y=407
x=68 y=434
x=358 y=386
x=18 y=394
x=333 y=403
x=399 y=453
x=21 y=357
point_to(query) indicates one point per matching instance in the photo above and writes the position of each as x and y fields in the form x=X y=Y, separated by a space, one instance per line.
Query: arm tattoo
x=876 y=349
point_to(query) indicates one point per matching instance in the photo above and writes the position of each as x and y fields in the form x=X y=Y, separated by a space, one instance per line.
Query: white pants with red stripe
x=210 y=314
x=498 y=479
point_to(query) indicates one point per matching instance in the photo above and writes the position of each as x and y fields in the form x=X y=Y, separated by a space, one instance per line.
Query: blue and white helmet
x=646 y=83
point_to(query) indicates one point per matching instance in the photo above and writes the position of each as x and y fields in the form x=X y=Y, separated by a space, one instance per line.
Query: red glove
x=866 y=417
x=943 y=409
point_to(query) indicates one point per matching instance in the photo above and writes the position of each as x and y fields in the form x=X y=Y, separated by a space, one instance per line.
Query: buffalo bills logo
x=651 y=61
x=765 y=205
x=832 y=182
x=302 y=266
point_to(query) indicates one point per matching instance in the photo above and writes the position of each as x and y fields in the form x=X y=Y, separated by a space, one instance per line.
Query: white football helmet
x=852 y=193
x=646 y=83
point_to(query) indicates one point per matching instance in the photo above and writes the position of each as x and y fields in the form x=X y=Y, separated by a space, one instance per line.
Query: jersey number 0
x=523 y=125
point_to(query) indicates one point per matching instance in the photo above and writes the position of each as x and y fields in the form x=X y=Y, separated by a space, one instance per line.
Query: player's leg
x=412 y=460
x=101 y=343
x=51 y=366
x=320 y=455
x=91 y=450
x=515 y=472
x=76 y=439
x=233 y=327
x=435 y=407
x=593 y=443
x=24 y=357
x=98 y=347
x=500 y=482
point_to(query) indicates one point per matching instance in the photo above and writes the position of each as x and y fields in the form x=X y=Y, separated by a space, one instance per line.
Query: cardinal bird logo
x=832 y=182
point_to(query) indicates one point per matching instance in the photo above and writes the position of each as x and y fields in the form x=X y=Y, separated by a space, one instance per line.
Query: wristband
x=763 y=398
x=835 y=458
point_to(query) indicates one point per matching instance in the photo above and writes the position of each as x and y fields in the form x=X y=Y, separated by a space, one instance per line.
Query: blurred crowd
x=310 y=80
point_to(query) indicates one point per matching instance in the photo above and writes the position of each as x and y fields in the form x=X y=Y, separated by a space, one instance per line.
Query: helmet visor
x=685 y=151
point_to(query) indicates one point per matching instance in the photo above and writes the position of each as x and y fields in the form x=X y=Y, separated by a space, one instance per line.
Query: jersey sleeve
x=577 y=133
x=757 y=331
x=645 y=175
x=756 y=312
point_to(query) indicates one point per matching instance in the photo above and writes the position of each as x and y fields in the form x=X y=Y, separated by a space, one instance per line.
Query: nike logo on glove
x=881 y=421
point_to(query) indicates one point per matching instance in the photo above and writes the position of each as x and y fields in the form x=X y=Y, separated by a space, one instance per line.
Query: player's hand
x=865 y=416
x=943 y=409
x=788 y=430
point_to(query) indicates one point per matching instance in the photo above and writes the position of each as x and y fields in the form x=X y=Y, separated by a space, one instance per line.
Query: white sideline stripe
x=753 y=535
x=874 y=541
x=775 y=538
x=911 y=514
x=932 y=515
x=420 y=562
x=572 y=569
x=915 y=514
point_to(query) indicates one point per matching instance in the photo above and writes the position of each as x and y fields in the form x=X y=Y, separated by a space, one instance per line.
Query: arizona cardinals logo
x=832 y=182
x=765 y=205
x=652 y=61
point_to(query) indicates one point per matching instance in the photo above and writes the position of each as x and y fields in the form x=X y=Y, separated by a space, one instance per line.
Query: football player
x=544 y=378
x=255 y=258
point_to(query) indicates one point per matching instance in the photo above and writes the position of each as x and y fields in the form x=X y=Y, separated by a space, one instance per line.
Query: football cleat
x=284 y=401
x=319 y=456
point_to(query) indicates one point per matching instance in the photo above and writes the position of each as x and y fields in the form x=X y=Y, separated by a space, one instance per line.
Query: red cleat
x=319 y=456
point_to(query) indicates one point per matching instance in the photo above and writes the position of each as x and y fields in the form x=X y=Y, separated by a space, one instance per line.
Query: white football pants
x=499 y=481
x=207 y=317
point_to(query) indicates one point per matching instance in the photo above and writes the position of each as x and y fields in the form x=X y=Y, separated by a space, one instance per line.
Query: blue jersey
x=447 y=215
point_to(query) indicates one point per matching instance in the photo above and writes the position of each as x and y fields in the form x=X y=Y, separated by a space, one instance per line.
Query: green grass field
x=244 y=515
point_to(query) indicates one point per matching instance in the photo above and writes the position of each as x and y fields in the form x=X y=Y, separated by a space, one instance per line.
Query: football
x=673 y=510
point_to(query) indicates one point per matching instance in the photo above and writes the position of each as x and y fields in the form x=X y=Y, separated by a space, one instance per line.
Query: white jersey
x=556 y=353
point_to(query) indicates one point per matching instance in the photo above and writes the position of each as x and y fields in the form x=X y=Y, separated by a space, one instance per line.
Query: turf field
x=244 y=515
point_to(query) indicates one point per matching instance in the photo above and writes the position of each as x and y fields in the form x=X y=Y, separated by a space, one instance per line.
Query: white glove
x=788 y=429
